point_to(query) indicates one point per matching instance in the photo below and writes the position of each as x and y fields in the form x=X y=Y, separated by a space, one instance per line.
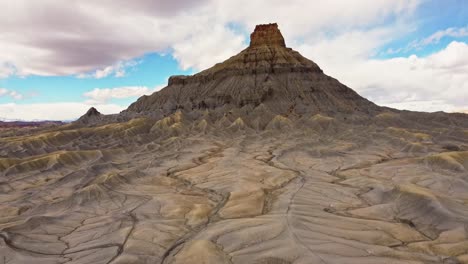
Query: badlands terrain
x=261 y=159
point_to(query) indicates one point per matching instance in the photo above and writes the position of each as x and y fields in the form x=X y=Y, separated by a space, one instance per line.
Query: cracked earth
x=120 y=194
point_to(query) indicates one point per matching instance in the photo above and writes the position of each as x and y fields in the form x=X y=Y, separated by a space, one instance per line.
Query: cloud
x=52 y=111
x=188 y=52
x=452 y=32
x=299 y=18
x=426 y=106
x=449 y=32
x=119 y=70
x=82 y=36
x=103 y=95
x=7 y=69
x=158 y=7
x=11 y=93
x=432 y=83
x=72 y=38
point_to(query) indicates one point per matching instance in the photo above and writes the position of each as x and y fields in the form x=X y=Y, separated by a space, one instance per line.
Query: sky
x=59 y=58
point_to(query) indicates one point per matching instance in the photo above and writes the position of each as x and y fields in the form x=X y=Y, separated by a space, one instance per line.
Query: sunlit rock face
x=259 y=159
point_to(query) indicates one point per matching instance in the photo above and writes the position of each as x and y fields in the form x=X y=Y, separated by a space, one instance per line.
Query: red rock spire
x=267 y=34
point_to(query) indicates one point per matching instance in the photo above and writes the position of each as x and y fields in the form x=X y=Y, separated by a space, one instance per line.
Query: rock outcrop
x=92 y=116
x=268 y=34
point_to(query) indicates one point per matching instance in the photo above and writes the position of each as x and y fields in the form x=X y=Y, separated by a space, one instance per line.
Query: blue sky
x=430 y=17
x=56 y=63
x=151 y=70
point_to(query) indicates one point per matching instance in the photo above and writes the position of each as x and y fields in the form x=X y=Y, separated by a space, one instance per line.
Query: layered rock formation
x=265 y=73
x=261 y=159
x=267 y=35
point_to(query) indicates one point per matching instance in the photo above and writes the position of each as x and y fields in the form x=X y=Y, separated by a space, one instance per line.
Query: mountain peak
x=266 y=73
x=91 y=116
x=92 y=112
x=267 y=34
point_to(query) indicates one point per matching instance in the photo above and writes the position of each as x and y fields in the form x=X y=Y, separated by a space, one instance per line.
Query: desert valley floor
x=334 y=193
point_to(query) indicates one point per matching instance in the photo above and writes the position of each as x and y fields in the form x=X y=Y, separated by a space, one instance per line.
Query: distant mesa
x=18 y=124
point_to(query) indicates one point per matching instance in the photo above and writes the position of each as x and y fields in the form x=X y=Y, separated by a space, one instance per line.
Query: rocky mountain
x=265 y=74
x=261 y=159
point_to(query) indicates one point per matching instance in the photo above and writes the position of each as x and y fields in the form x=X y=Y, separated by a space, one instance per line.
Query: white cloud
x=188 y=52
x=299 y=18
x=425 y=106
x=11 y=93
x=119 y=69
x=346 y=48
x=419 y=44
x=6 y=69
x=432 y=83
x=103 y=95
x=449 y=32
x=3 y=91
x=52 y=111
x=81 y=36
